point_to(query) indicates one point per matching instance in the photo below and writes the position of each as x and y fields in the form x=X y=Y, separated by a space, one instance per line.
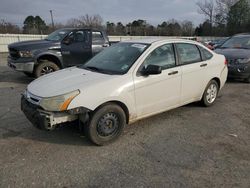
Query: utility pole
x=52 y=20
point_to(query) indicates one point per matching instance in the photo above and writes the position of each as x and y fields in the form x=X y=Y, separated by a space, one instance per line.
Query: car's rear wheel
x=106 y=124
x=45 y=67
x=210 y=93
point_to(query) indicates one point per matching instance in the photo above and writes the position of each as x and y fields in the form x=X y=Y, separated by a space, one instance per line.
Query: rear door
x=76 y=48
x=194 y=71
x=157 y=93
x=99 y=42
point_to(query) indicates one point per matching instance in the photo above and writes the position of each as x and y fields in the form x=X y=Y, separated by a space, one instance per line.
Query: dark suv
x=62 y=48
x=237 y=52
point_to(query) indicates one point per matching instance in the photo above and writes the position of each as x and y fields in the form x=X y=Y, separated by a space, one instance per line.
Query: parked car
x=207 y=44
x=62 y=48
x=237 y=52
x=217 y=43
x=124 y=83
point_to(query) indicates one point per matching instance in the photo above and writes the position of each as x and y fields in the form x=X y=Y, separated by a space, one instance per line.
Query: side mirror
x=151 y=70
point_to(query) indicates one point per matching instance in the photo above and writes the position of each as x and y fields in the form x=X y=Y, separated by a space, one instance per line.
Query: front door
x=76 y=48
x=157 y=93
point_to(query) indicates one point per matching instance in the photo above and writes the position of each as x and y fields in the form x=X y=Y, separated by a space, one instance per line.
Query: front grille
x=14 y=53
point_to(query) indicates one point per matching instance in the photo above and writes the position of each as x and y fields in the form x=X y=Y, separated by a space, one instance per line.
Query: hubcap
x=47 y=70
x=108 y=124
x=211 y=93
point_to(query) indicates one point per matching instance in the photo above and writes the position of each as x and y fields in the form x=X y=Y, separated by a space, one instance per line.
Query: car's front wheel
x=106 y=124
x=210 y=93
x=247 y=80
x=45 y=67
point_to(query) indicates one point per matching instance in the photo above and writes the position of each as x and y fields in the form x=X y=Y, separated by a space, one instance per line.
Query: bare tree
x=73 y=22
x=222 y=9
x=7 y=27
x=223 y=6
x=94 y=21
x=187 y=28
x=206 y=7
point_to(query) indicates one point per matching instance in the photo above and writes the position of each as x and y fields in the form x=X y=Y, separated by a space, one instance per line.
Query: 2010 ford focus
x=125 y=83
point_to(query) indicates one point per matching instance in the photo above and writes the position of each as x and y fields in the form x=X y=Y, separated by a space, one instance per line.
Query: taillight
x=225 y=62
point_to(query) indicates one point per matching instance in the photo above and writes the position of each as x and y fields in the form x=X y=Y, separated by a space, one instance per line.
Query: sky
x=154 y=11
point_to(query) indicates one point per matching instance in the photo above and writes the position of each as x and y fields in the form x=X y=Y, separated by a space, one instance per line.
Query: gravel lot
x=191 y=146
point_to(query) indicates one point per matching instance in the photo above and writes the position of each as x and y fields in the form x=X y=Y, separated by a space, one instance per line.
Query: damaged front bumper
x=50 y=120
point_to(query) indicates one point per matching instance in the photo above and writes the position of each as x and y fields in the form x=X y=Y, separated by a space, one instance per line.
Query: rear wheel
x=106 y=124
x=210 y=93
x=45 y=67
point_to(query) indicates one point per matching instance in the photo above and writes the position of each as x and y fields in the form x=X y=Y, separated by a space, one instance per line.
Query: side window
x=97 y=37
x=188 y=53
x=79 y=36
x=162 y=56
x=206 y=55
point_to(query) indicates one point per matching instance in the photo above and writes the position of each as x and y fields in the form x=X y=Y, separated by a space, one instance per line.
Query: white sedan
x=126 y=82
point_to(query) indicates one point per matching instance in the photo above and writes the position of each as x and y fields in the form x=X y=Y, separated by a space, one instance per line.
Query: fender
x=55 y=53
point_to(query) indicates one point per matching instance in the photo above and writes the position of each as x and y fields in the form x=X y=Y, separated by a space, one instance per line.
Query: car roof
x=158 y=40
x=242 y=34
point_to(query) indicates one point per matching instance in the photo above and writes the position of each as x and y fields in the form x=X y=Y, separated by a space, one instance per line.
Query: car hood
x=32 y=44
x=231 y=53
x=65 y=81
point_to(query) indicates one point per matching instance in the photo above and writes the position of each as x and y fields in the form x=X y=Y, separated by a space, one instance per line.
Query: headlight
x=242 y=61
x=25 y=53
x=58 y=103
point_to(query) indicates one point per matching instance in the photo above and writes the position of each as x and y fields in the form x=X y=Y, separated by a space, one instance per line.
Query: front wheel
x=210 y=93
x=247 y=80
x=45 y=67
x=106 y=124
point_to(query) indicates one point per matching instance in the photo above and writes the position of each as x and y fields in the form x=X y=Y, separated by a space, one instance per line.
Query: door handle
x=172 y=73
x=203 y=65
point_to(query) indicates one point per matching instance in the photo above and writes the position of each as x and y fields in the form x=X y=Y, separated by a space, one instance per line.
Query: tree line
x=222 y=18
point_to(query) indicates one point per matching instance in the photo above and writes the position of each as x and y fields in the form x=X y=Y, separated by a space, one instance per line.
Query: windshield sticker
x=62 y=32
x=124 y=67
x=139 y=46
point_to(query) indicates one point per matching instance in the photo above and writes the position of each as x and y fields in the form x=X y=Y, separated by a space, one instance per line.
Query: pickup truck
x=63 y=48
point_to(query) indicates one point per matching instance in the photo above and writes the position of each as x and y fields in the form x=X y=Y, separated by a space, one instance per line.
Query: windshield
x=58 y=35
x=116 y=59
x=237 y=42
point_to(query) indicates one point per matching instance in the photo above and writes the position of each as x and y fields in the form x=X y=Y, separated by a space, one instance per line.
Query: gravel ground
x=191 y=146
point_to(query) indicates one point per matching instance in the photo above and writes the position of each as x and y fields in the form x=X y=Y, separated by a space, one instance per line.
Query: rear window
x=97 y=37
x=205 y=54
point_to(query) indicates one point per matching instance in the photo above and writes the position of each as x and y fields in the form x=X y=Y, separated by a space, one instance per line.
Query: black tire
x=29 y=74
x=208 y=98
x=247 y=80
x=45 y=67
x=106 y=124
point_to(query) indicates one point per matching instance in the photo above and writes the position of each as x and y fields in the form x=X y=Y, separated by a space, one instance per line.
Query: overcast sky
x=154 y=11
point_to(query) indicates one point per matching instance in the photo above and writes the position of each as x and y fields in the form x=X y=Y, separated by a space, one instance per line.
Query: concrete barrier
x=6 y=39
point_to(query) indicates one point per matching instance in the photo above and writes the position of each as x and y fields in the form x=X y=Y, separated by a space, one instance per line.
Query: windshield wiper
x=93 y=68
x=244 y=48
